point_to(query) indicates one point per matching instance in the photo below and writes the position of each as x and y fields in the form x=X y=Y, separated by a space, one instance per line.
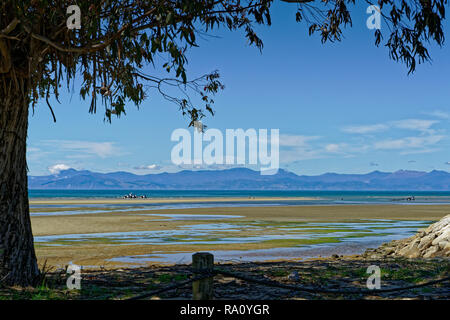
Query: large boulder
x=434 y=241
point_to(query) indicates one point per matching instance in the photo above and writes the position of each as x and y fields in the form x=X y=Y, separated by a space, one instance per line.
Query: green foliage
x=167 y=277
x=125 y=47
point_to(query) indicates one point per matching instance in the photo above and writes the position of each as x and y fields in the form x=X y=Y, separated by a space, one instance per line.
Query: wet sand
x=139 y=221
x=100 y=254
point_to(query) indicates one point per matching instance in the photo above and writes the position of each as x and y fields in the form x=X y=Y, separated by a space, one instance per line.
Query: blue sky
x=342 y=107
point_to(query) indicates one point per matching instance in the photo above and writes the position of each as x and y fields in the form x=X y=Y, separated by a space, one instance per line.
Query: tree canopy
x=118 y=38
x=116 y=53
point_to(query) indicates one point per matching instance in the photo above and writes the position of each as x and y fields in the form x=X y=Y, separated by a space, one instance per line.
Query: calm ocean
x=331 y=196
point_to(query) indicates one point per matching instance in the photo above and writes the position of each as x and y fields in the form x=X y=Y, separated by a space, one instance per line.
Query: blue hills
x=243 y=179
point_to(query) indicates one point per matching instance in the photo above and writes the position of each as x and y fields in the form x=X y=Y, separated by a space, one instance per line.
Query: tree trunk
x=18 y=265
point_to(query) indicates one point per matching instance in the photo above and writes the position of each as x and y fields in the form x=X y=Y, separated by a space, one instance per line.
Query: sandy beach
x=251 y=221
x=138 y=220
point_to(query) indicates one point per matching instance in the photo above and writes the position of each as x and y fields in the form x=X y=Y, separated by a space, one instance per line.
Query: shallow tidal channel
x=229 y=237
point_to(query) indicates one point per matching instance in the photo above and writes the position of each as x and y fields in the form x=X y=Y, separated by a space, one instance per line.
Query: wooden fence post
x=203 y=289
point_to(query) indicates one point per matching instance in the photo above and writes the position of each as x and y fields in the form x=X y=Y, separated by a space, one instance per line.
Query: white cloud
x=408 y=142
x=420 y=125
x=58 y=168
x=448 y=163
x=366 y=129
x=84 y=148
x=299 y=154
x=309 y=151
x=440 y=114
x=333 y=147
x=298 y=147
x=415 y=124
x=148 y=167
x=287 y=140
x=419 y=151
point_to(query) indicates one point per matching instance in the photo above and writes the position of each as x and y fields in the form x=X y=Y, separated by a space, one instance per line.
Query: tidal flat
x=109 y=235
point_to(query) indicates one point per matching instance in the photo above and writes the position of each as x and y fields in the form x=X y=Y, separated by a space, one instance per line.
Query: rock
x=445 y=236
x=426 y=241
x=431 y=242
x=430 y=252
x=410 y=251
x=443 y=244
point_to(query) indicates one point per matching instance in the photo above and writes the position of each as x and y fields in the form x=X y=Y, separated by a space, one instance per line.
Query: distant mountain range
x=243 y=179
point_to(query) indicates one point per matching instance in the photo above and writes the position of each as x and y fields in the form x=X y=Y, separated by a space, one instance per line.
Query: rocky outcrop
x=432 y=242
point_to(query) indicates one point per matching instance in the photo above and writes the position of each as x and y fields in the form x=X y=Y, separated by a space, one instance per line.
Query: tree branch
x=5 y=62
x=13 y=24
x=92 y=48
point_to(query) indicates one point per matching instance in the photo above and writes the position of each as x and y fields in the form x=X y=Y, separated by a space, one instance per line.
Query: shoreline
x=318 y=200
x=53 y=201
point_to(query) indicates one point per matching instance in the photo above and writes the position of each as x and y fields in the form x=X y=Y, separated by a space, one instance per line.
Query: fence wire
x=275 y=284
x=271 y=283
